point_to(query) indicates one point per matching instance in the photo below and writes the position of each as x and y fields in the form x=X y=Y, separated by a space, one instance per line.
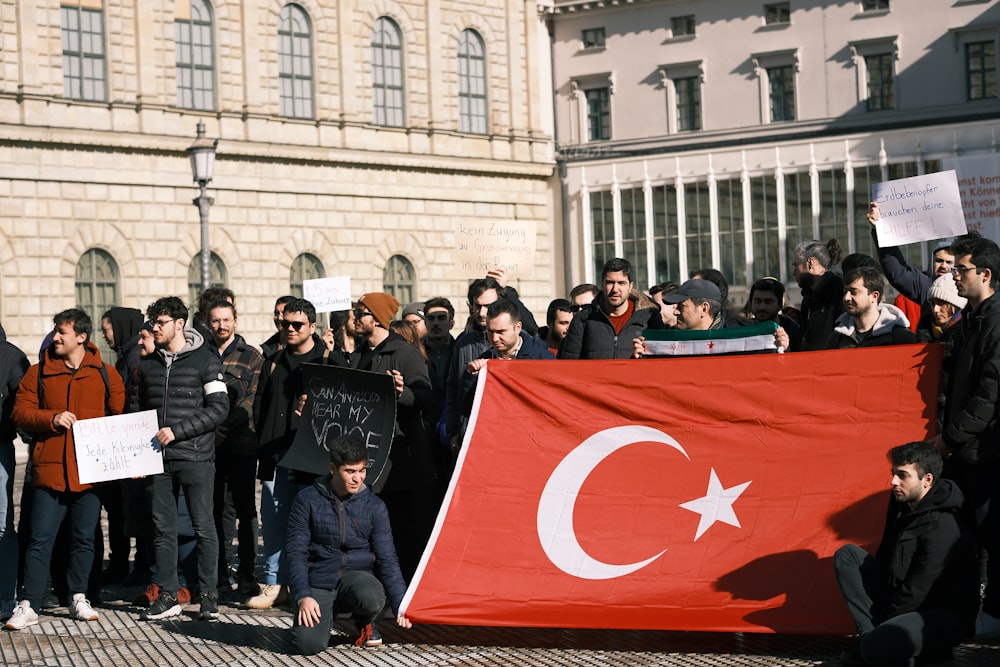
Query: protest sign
x=979 y=185
x=343 y=401
x=919 y=208
x=486 y=245
x=117 y=447
x=328 y=294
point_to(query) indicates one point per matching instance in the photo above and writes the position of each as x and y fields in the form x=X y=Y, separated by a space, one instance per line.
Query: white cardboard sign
x=485 y=245
x=328 y=294
x=117 y=447
x=919 y=208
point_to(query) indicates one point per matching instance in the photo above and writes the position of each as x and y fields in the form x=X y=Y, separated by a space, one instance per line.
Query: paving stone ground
x=243 y=637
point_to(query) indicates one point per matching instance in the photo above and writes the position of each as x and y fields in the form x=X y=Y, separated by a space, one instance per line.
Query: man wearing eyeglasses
x=970 y=440
x=276 y=420
x=183 y=382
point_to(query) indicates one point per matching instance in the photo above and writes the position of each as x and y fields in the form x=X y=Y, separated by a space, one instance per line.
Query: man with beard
x=616 y=317
x=918 y=595
x=409 y=490
x=767 y=296
x=236 y=445
x=867 y=322
x=822 y=293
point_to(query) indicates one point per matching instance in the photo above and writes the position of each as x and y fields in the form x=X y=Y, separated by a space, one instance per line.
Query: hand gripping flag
x=736 y=340
x=676 y=494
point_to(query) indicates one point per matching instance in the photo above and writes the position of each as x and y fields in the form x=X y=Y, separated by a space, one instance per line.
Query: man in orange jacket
x=69 y=383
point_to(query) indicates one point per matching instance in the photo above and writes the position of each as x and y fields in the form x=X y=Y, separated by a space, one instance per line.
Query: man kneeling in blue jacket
x=341 y=558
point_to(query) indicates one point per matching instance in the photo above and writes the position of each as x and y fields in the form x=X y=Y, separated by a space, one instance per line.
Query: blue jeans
x=8 y=538
x=275 y=502
x=197 y=479
x=49 y=508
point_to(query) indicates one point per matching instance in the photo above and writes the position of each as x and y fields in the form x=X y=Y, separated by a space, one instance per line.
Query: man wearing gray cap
x=697 y=304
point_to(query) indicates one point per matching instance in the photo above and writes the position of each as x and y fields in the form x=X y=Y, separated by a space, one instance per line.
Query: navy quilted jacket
x=328 y=537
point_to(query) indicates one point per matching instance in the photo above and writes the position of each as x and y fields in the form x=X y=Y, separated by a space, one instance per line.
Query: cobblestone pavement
x=245 y=637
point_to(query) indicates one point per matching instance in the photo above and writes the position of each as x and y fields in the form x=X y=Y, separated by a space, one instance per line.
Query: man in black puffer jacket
x=919 y=594
x=619 y=314
x=183 y=382
x=341 y=556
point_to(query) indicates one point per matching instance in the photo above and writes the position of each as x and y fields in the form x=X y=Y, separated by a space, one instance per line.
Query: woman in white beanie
x=940 y=325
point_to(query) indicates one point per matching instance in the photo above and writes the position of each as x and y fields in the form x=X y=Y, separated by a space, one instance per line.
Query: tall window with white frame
x=781 y=88
x=881 y=82
x=598 y=113
x=471 y=83
x=295 y=69
x=195 y=58
x=688 y=91
x=399 y=278
x=981 y=70
x=305 y=267
x=218 y=276
x=387 y=72
x=96 y=286
x=83 y=53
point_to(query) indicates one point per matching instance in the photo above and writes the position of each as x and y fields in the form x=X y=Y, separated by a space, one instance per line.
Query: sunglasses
x=289 y=324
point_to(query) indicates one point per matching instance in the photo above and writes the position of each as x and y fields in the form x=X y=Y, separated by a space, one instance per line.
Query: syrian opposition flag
x=701 y=493
x=736 y=340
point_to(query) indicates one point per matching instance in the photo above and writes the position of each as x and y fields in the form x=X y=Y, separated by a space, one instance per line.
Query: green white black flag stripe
x=738 y=340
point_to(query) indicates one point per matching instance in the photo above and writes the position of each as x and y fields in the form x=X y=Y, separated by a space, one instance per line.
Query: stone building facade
x=353 y=137
x=720 y=133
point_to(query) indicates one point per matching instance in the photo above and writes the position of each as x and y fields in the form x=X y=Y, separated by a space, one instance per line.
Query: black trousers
x=889 y=641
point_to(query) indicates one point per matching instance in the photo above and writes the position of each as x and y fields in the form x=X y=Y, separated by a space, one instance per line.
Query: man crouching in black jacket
x=919 y=594
x=338 y=531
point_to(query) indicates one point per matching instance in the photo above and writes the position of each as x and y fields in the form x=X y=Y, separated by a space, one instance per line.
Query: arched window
x=295 y=70
x=304 y=267
x=97 y=290
x=471 y=83
x=399 y=278
x=387 y=72
x=195 y=55
x=219 y=278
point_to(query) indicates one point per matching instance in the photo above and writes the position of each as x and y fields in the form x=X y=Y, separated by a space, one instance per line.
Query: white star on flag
x=715 y=505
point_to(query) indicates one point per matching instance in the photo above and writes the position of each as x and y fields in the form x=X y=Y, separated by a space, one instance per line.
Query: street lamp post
x=202 y=154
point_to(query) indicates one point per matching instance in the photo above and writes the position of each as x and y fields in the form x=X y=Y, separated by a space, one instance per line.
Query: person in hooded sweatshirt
x=919 y=594
x=867 y=322
x=120 y=327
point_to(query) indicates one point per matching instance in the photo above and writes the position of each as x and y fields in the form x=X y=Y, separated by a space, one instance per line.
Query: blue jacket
x=328 y=536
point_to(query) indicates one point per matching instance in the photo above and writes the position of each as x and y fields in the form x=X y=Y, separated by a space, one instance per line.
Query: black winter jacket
x=592 y=336
x=188 y=394
x=275 y=401
x=971 y=425
x=412 y=464
x=328 y=536
x=930 y=556
x=13 y=365
x=821 y=306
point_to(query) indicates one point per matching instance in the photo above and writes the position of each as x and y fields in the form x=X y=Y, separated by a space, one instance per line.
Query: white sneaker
x=987 y=625
x=22 y=617
x=80 y=608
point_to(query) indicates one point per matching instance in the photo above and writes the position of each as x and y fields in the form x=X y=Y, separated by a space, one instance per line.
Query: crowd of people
x=228 y=413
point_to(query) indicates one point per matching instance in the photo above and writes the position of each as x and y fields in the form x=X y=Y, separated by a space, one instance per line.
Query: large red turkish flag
x=675 y=494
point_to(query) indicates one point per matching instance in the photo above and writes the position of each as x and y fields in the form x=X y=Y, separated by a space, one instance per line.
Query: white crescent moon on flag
x=555 y=507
